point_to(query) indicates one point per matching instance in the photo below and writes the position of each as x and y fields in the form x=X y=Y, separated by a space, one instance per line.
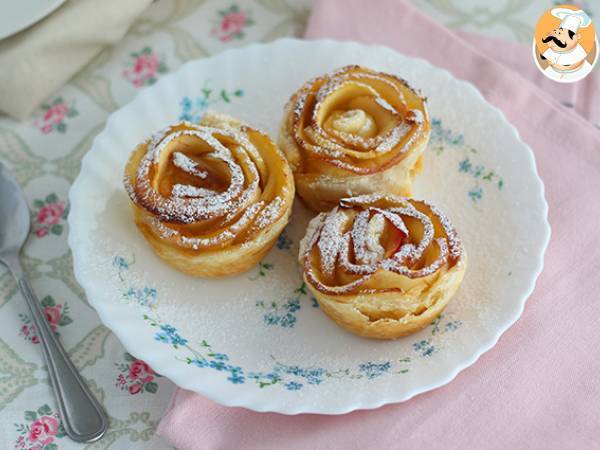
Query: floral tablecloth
x=44 y=153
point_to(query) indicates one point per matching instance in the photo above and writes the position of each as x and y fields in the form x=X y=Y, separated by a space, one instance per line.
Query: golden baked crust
x=355 y=131
x=382 y=266
x=211 y=199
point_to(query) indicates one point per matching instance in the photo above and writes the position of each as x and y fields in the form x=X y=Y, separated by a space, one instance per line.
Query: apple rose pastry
x=382 y=266
x=354 y=132
x=211 y=199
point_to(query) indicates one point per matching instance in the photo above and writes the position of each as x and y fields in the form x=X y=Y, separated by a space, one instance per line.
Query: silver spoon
x=82 y=416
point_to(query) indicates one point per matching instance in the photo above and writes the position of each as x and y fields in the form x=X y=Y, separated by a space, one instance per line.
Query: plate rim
x=179 y=378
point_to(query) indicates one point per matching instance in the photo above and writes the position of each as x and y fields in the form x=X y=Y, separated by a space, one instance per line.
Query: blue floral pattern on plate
x=443 y=139
x=291 y=377
x=284 y=241
x=284 y=315
x=192 y=108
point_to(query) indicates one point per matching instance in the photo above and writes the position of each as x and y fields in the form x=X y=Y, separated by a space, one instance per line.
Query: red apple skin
x=395 y=240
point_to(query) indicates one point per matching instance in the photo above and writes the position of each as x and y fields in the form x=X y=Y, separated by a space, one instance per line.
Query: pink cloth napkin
x=539 y=387
x=583 y=96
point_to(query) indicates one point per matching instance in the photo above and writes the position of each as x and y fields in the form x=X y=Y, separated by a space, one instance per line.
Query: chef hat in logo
x=572 y=20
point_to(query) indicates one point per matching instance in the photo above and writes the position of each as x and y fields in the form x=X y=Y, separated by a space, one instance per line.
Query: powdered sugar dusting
x=339 y=147
x=330 y=241
x=185 y=190
x=229 y=212
x=394 y=138
x=188 y=165
x=367 y=215
x=384 y=104
x=269 y=214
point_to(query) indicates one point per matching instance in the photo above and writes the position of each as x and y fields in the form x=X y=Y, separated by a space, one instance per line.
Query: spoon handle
x=83 y=417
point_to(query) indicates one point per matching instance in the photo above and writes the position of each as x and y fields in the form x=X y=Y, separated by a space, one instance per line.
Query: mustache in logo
x=556 y=41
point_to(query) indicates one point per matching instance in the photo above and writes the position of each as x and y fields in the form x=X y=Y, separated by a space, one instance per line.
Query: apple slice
x=394 y=239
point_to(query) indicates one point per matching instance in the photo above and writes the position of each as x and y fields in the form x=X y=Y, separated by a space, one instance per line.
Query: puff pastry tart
x=211 y=199
x=355 y=131
x=382 y=266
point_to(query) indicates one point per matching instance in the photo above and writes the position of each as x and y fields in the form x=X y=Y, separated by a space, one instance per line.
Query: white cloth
x=572 y=75
x=568 y=58
x=39 y=60
x=570 y=19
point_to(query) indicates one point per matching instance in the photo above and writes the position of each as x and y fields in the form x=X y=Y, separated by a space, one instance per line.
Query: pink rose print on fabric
x=144 y=67
x=57 y=315
x=231 y=24
x=55 y=115
x=139 y=370
x=53 y=315
x=43 y=430
x=40 y=431
x=134 y=388
x=49 y=216
x=136 y=376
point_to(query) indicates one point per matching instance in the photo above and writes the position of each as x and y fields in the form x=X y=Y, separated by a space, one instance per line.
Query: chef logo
x=565 y=47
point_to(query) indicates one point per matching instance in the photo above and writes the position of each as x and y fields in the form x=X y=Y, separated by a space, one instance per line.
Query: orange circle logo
x=565 y=46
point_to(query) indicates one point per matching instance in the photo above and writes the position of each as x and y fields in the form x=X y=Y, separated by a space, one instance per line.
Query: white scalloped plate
x=257 y=340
